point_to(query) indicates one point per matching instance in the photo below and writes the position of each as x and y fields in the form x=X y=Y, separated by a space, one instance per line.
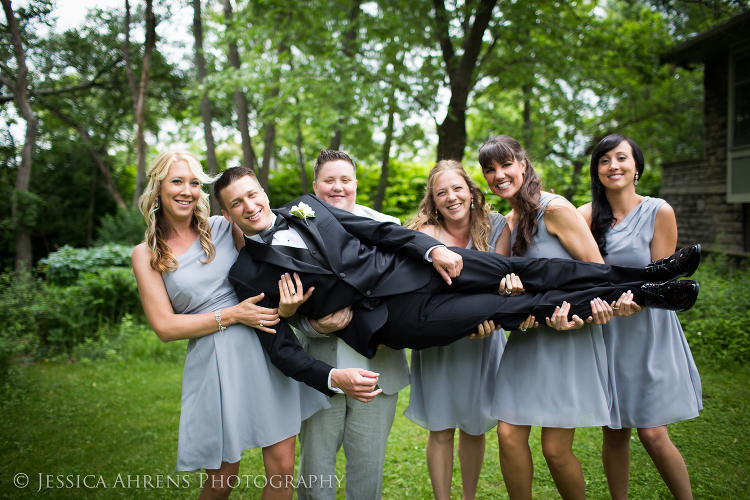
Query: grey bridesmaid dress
x=233 y=398
x=550 y=378
x=452 y=386
x=652 y=374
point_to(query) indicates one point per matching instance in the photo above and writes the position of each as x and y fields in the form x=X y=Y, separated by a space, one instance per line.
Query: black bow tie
x=267 y=234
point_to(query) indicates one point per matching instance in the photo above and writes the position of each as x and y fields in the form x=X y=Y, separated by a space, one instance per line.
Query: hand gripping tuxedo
x=398 y=298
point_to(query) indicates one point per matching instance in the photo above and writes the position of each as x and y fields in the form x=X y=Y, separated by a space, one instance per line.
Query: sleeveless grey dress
x=452 y=386
x=653 y=377
x=233 y=398
x=549 y=378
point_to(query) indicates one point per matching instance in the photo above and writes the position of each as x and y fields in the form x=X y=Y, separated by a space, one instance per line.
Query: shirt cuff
x=334 y=389
x=427 y=257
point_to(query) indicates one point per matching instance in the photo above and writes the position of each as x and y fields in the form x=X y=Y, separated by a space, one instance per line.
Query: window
x=738 y=147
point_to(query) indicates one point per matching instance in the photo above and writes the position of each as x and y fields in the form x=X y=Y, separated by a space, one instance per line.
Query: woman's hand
x=290 y=295
x=559 y=320
x=484 y=330
x=530 y=322
x=625 y=306
x=601 y=312
x=510 y=286
x=249 y=313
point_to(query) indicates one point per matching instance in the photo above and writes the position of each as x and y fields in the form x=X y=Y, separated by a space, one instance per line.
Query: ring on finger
x=261 y=322
x=615 y=308
x=294 y=293
x=508 y=292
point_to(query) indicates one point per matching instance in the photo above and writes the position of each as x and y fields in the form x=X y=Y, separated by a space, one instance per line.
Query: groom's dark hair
x=228 y=177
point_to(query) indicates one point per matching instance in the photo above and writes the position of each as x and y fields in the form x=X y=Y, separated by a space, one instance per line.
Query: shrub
x=128 y=340
x=17 y=324
x=717 y=326
x=66 y=265
x=126 y=227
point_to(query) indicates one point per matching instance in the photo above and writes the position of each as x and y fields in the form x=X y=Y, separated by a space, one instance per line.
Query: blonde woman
x=452 y=386
x=232 y=400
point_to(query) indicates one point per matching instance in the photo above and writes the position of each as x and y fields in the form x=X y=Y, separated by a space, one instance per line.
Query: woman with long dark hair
x=653 y=376
x=553 y=376
x=232 y=399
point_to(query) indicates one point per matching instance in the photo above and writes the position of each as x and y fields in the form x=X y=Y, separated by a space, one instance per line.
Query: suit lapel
x=266 y=253
x=310 y=235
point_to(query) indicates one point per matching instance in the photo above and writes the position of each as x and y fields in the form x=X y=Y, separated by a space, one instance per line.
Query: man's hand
x=447 y=262
x=356 y=383
x=333 y=322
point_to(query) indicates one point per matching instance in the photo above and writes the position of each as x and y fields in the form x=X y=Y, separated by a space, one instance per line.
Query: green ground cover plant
x=120 y=416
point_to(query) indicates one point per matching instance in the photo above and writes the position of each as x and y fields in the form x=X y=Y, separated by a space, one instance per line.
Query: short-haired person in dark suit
x=406 y=289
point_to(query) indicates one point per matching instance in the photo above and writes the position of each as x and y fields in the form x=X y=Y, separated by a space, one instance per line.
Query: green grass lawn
x=106 y=418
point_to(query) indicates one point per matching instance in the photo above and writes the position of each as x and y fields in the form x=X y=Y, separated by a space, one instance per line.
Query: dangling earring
x=486 y=190
x=472 y=203
x=636 y=179
x=523 y=174
x=157 y=205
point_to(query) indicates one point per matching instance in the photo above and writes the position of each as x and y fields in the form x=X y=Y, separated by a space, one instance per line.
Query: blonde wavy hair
x=157 y=227
x=479 y=216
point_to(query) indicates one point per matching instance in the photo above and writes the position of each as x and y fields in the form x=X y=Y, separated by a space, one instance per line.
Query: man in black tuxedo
x=399 y=298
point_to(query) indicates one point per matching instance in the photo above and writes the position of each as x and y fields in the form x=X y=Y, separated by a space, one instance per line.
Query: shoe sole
x=692 y=270
x=691 y=304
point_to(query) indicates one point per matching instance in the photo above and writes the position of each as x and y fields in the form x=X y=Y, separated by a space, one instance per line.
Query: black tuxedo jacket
x=360 y=261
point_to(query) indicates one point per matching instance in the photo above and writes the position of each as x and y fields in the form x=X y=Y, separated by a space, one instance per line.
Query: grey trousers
x=362 y=429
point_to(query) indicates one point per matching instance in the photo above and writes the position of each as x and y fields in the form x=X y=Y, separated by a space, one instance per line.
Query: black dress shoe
x=673 y=295
x=678 y=265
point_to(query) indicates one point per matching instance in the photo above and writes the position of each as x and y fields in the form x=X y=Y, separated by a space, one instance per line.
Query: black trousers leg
x=420 y=320
x=483 y=271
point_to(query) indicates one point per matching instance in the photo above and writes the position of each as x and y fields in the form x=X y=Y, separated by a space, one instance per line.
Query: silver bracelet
x=217 y=315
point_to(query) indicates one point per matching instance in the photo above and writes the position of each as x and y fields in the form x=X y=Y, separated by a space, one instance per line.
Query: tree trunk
x=249 y=159
x=350 y=51
x=22 y=235
x=141 y=93
x=570 y=191
x=269 y=141
x=383 y=181
x=92 y=207
x=528 y=126
x=460 y=71
x=206 y=115
x=300 y=156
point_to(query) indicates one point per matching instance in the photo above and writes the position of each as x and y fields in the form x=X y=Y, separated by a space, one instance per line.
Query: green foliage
x=17 y=324
x=128 y=340
x=126 y=227
x=66 y=265
x=717 y=326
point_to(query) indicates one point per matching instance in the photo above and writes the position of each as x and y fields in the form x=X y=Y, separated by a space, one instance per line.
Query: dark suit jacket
x=362 y=260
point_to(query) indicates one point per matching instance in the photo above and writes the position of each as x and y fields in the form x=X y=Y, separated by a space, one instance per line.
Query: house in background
x=711 y=195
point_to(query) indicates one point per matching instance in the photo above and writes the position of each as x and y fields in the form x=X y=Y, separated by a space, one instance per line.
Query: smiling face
x=505 y=179
x=337 y=184
x=179 y=191
x=617 y=168
x=452 y=196
x=247 y=206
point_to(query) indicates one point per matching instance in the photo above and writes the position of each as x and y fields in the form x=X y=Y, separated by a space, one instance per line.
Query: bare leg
x=278 y=460
x=440 y=462
x=557 y=447
x=668 y=461
x=471 y=456
x=616 y=461
x=220 y=481
x=515 y=459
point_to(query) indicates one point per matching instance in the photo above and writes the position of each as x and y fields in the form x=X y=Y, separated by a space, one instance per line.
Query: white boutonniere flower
x=303 y=211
